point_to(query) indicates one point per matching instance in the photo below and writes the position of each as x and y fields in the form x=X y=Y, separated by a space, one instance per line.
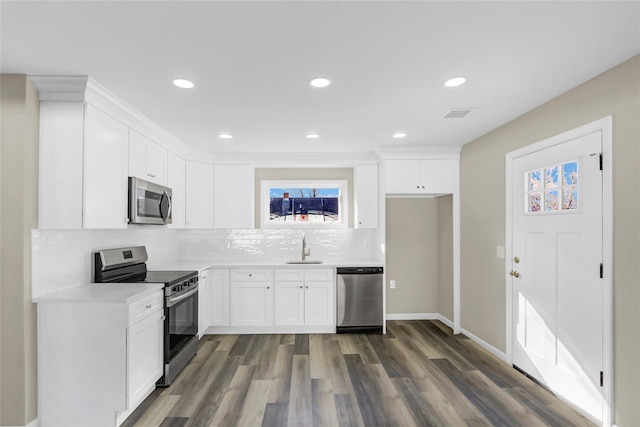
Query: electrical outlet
x=392 y=284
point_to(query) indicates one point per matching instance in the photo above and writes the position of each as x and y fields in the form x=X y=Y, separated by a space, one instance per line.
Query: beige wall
x=417 y=254
x=278 y=174
x=18 y=215
x=482 y=174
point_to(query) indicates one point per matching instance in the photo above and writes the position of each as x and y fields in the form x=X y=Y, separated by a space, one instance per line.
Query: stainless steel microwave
x=149 y=203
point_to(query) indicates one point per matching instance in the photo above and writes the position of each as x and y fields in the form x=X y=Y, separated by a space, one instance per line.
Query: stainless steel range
x=128 y=265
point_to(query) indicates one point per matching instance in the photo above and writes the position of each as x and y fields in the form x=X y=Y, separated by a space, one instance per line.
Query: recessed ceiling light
x=312 y=136
x=320 y=82
x=183 y=83
x=398 y=135
x=454 y=82
x=225 y=136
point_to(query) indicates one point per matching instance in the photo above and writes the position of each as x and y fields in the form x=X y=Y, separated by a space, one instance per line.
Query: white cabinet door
x=318 y=303
x=156 y=163
x=438 y=176
x=105 y=171
x=145 y=364
x=199 y=195
x=365 y=186
x=428 y=176
x=137 y=155
x=204 y=297
x=219 y=297
x=251 y=304
x=147 y=160
x=289 y=303
x=176 y=181
x=402 y=176
x=233 y=190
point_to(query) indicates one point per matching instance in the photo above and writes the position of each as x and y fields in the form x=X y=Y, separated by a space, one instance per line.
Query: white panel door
x=402 y=176
x=318 y=303
x=233 y=190
x=199 y=195
x=556 y=278
x=176 y=181
x=105 y=171
x=251 y=304
x=289 y=304
x=365 y=188
x=219 y=297
x=145 y=357
x=438 y=176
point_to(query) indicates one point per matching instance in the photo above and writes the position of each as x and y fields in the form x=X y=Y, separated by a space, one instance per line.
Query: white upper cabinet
x=147 y=160
x=233 y=190
x=365 y=187
x=176 y=181
x=199 y=195
x=105 y=171
x=429 y=176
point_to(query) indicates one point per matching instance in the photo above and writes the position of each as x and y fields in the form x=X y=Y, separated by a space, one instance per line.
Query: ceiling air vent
x=457 y=113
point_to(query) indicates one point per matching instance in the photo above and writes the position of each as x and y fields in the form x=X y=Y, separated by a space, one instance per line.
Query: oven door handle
x=173 y=301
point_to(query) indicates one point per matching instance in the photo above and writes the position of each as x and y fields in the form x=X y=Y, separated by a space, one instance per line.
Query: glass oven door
x=182 y=321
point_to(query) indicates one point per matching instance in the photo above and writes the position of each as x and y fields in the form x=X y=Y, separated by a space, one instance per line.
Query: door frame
x=605 y=126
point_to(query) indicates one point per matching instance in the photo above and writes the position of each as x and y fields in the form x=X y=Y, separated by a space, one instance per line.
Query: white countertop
x=102 y=292
x=204 y=264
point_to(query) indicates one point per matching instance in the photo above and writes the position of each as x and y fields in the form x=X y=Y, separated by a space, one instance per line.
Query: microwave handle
x=164 y=217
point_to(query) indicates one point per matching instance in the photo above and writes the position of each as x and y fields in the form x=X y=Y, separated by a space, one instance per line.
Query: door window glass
x=558 y=191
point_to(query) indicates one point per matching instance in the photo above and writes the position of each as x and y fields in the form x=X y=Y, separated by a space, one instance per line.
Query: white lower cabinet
x=144 y=357
x=97 y=360
x=304 y=297
x=204 y=301
x=219 y=298
x=270 y=300
x=251 y=297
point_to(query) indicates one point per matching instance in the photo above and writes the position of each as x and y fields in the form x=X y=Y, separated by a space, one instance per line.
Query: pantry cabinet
x=421 y=177
x=147 y=160
x=198 y=195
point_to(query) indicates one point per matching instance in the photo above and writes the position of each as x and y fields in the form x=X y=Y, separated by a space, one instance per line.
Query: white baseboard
x=33 y=423
x=491 y=349
x=413 y=316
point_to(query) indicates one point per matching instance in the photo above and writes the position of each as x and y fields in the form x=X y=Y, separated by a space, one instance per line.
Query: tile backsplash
x=265 y=245
x=63 y=259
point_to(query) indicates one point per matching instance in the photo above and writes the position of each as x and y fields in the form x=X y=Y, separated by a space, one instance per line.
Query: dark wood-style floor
x=419 y=374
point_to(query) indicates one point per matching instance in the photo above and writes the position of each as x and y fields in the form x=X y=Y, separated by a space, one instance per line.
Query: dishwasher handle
x=359 y=270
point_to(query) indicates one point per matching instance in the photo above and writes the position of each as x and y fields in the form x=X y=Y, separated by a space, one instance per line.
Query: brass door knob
x=516 y=260
x=514 y=274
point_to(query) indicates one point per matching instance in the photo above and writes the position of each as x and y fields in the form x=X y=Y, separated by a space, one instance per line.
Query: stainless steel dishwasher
x=359 y=299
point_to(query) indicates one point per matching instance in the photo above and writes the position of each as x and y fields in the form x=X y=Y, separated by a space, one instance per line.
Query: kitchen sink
x=304 y=262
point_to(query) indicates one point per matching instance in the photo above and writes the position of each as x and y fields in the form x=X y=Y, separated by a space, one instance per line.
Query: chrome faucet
x=305 y=250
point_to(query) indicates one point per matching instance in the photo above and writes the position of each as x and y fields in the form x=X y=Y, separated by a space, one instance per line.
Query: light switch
x=500 y=252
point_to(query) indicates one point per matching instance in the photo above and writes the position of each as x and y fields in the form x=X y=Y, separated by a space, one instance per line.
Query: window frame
x=343 y=208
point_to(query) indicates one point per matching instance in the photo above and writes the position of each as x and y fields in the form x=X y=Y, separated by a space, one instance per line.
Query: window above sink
x=304 y=204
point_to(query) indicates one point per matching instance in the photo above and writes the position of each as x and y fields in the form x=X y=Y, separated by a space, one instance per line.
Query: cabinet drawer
x=144 y=307
x=290 y=275
x=318 y=274
x=251 y=275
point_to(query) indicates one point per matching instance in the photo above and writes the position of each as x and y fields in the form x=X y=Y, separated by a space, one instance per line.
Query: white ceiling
x=251 y=63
